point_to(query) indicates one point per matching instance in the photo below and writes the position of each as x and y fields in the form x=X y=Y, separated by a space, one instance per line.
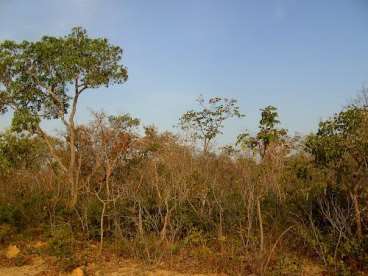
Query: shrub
x=62 y=245
x=11 y=215
x=5 y=231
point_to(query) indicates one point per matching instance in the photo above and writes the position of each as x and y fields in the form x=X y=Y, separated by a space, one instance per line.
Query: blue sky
x=308 y=58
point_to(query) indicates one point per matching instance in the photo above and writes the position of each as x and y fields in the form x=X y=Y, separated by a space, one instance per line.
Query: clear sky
x=308 y=58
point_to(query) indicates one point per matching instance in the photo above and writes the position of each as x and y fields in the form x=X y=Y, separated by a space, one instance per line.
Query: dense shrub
x=153 y=197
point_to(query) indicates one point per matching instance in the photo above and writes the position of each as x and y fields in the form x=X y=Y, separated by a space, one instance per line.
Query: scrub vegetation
x=266 y=204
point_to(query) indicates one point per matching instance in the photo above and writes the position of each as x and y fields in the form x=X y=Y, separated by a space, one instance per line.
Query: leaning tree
x=44 y=79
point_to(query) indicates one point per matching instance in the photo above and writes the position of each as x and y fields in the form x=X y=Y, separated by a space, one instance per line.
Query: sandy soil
x=35 y=265
x=128 y=268
x=40 y=268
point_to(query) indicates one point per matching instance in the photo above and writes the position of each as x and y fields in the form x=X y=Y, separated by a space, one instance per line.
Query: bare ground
x=36 y=265
x=39 y=267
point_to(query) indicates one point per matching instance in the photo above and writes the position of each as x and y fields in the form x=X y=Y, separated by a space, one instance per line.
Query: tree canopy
x=208 y=122
x=268 y=132
x=43 y=79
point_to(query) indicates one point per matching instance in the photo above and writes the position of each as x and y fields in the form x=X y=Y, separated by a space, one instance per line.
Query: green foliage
x=195 y=238
x=26 y=211
x=94 y=210
x=11 y=215
x=148 y=248
x=21 y=151
x=40 y=77
x=160 y=196
x=287 y=265
x=6 y=230
x=62 y=245
x=341 y=146
x=268 y=132
x=208 y=122
x=23 y=119
x=341 y=139
x=123 y=123
x=33 y=207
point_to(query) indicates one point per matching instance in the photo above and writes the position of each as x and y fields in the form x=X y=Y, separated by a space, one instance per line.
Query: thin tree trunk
x=249 y=217
x=74 y=193
x=118 y=231
x=221 y=234
x=72 y=131
x=260 y=220
x=102 y=226
x=166 y=222
x=140 y=221
x=205 y=146
x=358 y=220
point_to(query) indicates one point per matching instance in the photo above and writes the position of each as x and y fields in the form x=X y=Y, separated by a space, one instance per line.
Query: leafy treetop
x=43 y=79
x=208 y=122
x=268 y=132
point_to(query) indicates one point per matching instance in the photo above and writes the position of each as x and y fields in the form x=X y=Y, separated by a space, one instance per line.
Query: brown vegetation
x=265 y=204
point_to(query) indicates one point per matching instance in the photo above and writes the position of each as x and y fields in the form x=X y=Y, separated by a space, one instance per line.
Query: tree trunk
x=260 y=220
x=118 y=231
x=74 y=193
x=140 y=221
x=250 y=209
x=205 y=146
x=102 y=226
x=221 y=233
x=72 y=161
x=358 y=220
x=166 y=222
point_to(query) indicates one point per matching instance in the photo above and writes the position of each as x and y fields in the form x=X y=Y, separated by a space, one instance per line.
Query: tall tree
x=268 y=132
x=207 y=123
x=341 y=145
x=44 y=80
x=268 y=145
